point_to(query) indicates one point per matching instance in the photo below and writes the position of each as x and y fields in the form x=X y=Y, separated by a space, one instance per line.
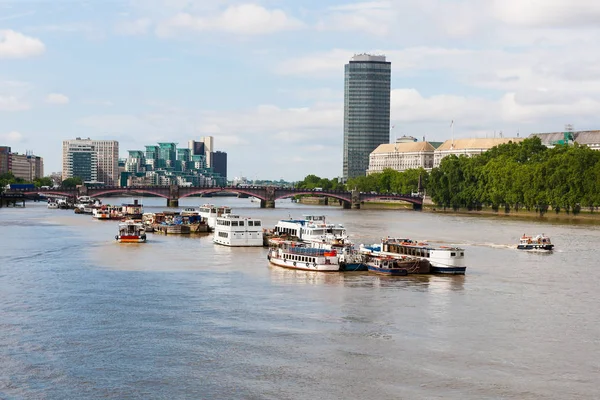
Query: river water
x=178 y=317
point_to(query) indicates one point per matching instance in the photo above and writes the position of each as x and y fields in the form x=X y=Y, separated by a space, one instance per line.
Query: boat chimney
x=135 y=202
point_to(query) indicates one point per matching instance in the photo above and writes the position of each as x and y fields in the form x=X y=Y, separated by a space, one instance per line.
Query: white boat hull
x=246 y=242
x=304 y=266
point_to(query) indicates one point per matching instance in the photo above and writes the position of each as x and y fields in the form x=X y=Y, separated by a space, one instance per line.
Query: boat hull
x=544 y=247
x=350 y=266
x=131 y=239
x=304 y=266
x=240 y=243
x=388 y=271
x=448 y=270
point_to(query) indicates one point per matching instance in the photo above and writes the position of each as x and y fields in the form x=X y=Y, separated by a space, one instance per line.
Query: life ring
x=314 y=265
x=294 y=263
x=307 y=265
x=116 y=237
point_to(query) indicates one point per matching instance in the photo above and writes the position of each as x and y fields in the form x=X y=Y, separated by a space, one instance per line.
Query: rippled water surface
x=178 y=317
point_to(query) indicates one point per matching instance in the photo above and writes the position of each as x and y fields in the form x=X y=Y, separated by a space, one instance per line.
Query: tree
x=72 y=182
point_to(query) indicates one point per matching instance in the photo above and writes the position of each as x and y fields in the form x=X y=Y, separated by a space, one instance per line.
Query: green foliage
x=390 y=181
x=72 y=182
x=45 y=181
x=517 y=175
x=312 y=181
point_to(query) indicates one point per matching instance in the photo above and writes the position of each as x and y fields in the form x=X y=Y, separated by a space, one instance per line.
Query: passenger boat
x=132 y=210
x=254 y=199
x=443 y=259
x=297 y=255
x=312 y=228
x=235 y=231
x=210 y=213
x=131 y=232
x=539 y=242
x=400 y=266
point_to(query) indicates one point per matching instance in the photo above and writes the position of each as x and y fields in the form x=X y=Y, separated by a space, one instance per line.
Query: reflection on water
x=82 y=316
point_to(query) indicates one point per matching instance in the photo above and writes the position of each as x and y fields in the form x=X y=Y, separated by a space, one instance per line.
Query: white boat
x=131 y=232
x=297 y=255
x=539 y=243
x=313 y=228
x=106 y=212
x=443 y=259
x=254 y=199
x=210 y=212
x=397 y=266
x=233 y=230
x=133 y=210
x=53 y=205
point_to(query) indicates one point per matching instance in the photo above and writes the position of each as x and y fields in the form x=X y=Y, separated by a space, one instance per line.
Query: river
x=178 y=317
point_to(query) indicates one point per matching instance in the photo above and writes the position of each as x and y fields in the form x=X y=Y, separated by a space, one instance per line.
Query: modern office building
x=204 y=147
x=27 y=166
x=80 y=161
x=366 y=111
x=167 y=164
x=219 y=159
x=104 y=163
x=5 y=165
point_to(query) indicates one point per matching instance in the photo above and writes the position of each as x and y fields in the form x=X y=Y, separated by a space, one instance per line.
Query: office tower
x=4 y=159
x=77 y=152
x=204 y=147
x=366 y=111
x=219 y=159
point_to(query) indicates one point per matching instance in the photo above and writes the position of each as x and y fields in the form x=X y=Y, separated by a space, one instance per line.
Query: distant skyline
x=266 y=78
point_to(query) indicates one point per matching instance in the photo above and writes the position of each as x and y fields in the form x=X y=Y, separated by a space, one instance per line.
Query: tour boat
x=539 y=242
x=297 y=255
x=313 y=228
x=235 y=231
x=388 y=265
x=443 y=259
x=107 y=212
x=210 y=213
x=131 y=232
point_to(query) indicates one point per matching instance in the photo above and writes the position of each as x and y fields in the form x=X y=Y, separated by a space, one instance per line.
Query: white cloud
x=548 y=13
x=16 y=45
x=138 y=26
x=242 y=19
x=12 y=137
x=57 y=98
x=12 y=103
x=376 y=18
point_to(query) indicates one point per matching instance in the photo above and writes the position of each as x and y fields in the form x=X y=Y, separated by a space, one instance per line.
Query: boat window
x=250 y=223
x=452 y=254
x=256 y=223
x=462 y=254
x=241 y=223
x=234 y=223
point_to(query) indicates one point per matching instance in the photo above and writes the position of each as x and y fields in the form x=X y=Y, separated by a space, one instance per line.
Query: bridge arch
x=100 y=193
x=219 y=190
x=338 y=196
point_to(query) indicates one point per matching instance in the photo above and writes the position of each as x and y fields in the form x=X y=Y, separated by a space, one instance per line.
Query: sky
x=266 y=77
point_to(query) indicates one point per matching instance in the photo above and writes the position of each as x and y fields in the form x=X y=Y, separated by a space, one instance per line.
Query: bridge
x=266 y=194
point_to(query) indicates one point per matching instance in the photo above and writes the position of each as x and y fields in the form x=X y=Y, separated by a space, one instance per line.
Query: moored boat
x=210 y=213
x=53 y=205
x=131 y=232
x=235 y=231
x=443 y=259
x=400 y=266
x=539 y=242
x=297 y=255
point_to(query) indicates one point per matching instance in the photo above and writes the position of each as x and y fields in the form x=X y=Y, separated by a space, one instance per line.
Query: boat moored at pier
x=539 y=242
x=399 y=266
x=296 y=255
x=235 y=231
x=443 y=259
x=210 y=213
x=131 y=232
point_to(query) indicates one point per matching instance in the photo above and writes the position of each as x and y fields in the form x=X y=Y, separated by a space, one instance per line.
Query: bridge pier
x=269 y=202
x=346 y=204
x=417 y=207
x=355 y=200
x=173 y=200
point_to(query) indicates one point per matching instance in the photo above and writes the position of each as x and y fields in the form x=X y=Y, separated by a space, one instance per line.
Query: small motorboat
x=539 y=242
x=131 y=232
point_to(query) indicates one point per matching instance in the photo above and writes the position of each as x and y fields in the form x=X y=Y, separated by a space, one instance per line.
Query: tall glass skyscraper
x=366 y=110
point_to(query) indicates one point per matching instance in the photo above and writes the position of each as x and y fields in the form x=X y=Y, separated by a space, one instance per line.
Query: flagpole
x=452 y=132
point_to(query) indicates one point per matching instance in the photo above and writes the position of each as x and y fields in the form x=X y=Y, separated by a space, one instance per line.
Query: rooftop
x=403 y=147
x=475 y=143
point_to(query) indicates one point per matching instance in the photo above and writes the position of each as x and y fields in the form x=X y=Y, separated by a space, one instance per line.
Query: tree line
x=510 y=176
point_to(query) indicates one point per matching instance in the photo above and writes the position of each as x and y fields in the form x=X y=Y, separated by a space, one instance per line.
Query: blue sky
x=265 y=78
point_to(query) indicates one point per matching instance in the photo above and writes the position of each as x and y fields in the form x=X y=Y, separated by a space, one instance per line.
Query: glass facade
x=366 y=111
